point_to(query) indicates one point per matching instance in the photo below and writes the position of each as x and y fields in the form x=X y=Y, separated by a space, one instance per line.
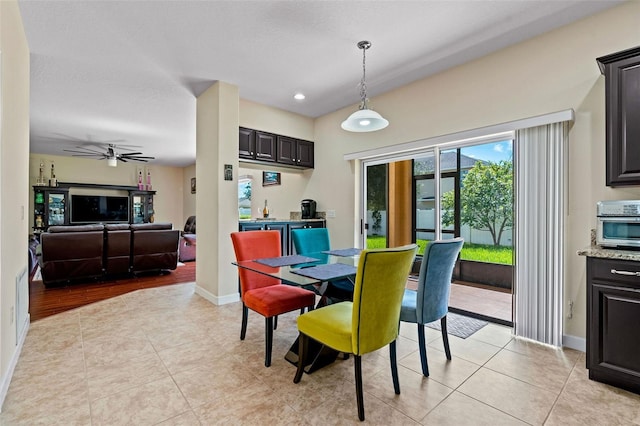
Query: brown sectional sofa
x=69 y=253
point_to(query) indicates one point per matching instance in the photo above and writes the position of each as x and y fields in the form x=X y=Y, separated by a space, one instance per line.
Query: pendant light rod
x=364 y=101
x=365 y=119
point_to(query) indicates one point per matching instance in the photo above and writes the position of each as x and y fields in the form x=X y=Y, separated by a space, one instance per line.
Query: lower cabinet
x=284 y=228
x=613 y=312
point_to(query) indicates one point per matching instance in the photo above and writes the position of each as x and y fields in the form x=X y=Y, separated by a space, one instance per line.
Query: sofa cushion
x=75 y=228
x=150 y=226
x=117 y=227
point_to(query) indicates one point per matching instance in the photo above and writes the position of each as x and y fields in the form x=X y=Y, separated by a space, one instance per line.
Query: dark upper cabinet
x=247 y=143
x=265 y=146
x=295 y=152
x=622 y=91
x=256 y=145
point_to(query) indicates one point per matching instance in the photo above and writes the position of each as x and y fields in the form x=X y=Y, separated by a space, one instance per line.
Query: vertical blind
x=540 y=154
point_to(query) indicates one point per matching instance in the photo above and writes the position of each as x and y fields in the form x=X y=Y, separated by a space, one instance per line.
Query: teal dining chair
x=430 y=302
x=368 y=323
x=316 y=240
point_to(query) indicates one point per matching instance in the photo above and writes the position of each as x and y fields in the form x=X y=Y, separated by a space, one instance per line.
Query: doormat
x=459 y=325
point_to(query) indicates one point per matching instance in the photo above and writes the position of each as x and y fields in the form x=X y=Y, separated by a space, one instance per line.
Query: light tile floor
x=167 y=356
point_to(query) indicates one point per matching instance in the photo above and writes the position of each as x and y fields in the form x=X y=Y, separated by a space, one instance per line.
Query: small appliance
x=308 y=209
x=618 y=224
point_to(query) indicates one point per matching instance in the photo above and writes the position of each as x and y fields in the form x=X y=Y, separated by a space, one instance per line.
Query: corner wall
x=14 y=180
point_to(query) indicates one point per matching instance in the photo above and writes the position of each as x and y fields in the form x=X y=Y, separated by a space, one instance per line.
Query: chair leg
x=245 y=314
x=303 y=345
x=268 y=322
x=445 y=336
x=275 y=322
x=394 y=367
x=357 y=363
x=423 y=350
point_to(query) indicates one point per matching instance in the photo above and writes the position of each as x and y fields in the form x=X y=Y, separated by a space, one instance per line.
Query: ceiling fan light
x=364 y=120
x=112 y=162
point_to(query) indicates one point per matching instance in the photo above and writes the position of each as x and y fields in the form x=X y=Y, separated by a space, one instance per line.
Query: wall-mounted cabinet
x=622 y=97
x=295 y=152
x=256 y=146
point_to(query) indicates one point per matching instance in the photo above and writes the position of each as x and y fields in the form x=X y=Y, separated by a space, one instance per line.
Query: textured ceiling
x=130 y=71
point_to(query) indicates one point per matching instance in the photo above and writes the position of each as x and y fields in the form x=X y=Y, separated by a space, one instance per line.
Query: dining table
x=311 y=271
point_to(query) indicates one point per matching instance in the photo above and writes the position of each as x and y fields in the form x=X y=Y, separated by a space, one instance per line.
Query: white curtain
x=540 y=169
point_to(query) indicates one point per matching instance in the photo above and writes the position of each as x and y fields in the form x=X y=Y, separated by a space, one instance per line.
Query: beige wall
x=14 y=179
x=189 y=199
x=552 y=72
x=166 y=181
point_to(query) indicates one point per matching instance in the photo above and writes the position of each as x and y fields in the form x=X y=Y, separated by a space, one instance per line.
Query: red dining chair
x=261 y=293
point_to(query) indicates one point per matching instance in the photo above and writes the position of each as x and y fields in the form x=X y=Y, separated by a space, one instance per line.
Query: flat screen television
x=99 y=208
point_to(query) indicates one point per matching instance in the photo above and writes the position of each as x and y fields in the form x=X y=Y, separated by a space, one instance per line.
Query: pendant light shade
x=365 y=119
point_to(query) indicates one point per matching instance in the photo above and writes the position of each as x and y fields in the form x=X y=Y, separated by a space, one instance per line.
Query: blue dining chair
x=431 y=301
x=315 y=240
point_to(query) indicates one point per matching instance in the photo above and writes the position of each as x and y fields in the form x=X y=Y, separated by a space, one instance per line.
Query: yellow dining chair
x=368 y=323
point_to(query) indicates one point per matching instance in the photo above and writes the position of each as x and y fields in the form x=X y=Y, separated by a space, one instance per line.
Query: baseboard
x=217 y=300
x=573 y=342
x=6 y=378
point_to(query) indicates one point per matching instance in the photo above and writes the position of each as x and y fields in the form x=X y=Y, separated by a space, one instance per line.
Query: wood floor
x=44 y=302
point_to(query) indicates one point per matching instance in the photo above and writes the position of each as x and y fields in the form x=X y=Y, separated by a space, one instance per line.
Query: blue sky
x=493 y=152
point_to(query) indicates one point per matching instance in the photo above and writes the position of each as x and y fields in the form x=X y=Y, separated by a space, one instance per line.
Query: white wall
x=14 y=179
x=552 y=72
x=166 y=181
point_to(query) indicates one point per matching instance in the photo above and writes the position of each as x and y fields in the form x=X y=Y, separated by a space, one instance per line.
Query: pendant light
x=365 y=119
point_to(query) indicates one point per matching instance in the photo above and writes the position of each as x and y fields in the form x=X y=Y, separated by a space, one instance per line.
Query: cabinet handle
x=633 y=274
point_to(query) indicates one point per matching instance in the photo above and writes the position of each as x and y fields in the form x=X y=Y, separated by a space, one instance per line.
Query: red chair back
x=249 y=245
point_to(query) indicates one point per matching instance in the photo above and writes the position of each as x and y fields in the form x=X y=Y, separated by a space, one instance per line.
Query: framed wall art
x=270 y=178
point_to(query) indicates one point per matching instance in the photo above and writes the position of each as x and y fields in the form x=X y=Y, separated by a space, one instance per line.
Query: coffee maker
x=308 y=209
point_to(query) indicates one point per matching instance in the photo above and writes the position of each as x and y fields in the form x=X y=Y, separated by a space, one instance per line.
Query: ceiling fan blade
x=98 y=156
x=128 y=154
x=140 y=157
x=84 y=151
x=122 y=159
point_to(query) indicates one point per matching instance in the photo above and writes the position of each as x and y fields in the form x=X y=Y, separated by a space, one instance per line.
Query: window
x=244 y=197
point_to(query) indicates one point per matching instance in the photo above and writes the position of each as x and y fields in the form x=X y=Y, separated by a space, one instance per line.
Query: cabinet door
x=287 y=150
x=247 y=143
x=302 y=225
x=284 y=237
x=614 y=342
x=623 y=118
x=265 y=146
x=56 y=208
x=304 y=154
x=39 y=210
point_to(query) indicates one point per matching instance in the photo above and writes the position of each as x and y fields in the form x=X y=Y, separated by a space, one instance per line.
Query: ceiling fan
x=111 y=153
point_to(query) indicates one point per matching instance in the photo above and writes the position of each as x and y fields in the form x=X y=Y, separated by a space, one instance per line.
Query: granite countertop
x=607 y=253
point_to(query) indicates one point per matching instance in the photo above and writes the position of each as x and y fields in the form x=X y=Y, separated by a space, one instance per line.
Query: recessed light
x=299 y=96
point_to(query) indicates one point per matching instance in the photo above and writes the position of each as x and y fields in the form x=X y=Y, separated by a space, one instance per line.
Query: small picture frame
x=193 y=185
x=270 y=178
